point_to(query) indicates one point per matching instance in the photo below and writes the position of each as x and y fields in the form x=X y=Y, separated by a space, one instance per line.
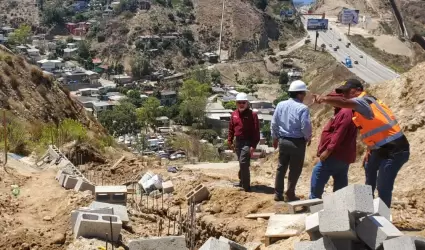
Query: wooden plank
x=285 y=225
x=115 y=166
x=263 y=215
x=302 y=203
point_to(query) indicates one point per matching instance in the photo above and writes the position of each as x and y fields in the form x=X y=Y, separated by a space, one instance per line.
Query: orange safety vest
x=382 y=129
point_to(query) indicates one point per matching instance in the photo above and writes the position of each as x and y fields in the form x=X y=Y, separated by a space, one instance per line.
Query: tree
x=20 y=35
x=193 y=96
x=283 y=78
x=261 y=4
x=230 y=105
x=147 y=114
x=282 y=97
x=201 y=74
x=53 y=14
x=140 y=67
x=265 y=130
x=134 y=97
x=121 y=119
x=215 y=76
x=119 y=68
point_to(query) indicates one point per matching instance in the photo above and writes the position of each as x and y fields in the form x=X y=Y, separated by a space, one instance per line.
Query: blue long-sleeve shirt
x=291 y=119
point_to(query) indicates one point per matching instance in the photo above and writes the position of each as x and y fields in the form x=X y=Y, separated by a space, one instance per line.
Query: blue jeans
x=323 y=171
x=388 y=168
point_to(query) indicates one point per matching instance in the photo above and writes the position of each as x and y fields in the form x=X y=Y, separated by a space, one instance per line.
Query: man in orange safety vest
x=388 y=148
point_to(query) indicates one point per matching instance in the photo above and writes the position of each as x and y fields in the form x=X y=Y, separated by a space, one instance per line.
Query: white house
x=50 y=65
x=68 y=53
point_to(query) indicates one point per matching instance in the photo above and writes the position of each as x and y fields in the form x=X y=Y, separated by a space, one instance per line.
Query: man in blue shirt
x=291 y=131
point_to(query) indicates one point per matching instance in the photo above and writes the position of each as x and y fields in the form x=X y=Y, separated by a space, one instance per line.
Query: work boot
x=289 y=198
x=278 y=198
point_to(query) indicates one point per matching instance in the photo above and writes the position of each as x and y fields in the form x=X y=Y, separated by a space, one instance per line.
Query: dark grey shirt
x=363 y=108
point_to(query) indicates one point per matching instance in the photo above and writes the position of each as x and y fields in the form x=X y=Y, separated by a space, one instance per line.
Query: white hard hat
x=241 y=97
x=297 y=85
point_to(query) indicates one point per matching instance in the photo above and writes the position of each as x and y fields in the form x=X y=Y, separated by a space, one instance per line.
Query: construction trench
x=347 y=219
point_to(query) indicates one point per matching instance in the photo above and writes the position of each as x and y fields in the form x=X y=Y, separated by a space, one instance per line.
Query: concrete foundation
x=355 y=198
x=70 y=182
x=337 y=224
x=167 y=187
x=75 y=213
x=119 y=210
x=163 y=243
x=97 y=225
x=374 y=230
x=233 y=245
x=214 y=244
x=198 y=194
x=83 y=185
x=316 y=208
x=380 y=209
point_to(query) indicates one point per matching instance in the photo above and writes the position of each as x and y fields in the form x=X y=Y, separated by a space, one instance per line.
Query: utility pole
x=221 y=32
x=317 y=36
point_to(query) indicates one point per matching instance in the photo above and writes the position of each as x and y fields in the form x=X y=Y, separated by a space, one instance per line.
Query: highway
x=368 y=69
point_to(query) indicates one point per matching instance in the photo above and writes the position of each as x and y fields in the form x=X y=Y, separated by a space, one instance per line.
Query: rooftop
x=214 y=106
x=101 y=104
x=162 y=118
x=67 y=50
x=85 y=99
x=168 y=92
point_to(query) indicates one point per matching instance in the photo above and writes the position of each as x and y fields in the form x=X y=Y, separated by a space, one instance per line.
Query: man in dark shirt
x=245 y=127
x=337 y=149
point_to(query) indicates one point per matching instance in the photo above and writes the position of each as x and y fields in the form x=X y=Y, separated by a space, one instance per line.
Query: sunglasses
x=241 y=102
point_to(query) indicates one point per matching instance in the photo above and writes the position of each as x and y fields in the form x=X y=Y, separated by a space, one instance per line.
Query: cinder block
x=59 y=173
x=355 y=198
x=83 y=185
x=316 y=208
x=302 y=245
x=118 y=210
x=97 y=225
x=312 y=223
x=70 y=182
x=374 y=230
x=344 y=244
x=233 y=245
x=167 y=187
x=154 y=243
x=400 y=243
x=62 y=178
x=198 y=194
x=338 y=224
x=214 y=244
x=315 y=235
x=74 y=213
x=324 y=243
x=381 y=209
x=302 y=203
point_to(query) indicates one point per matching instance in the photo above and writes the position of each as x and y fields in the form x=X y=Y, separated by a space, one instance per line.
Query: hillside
x=32 y=99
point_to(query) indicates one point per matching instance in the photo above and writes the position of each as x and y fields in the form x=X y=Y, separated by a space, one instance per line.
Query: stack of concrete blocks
x=96 y=225
x=156 y=243
x=198 y=194
x=118 y=210
x=221 y=244
x=150 y=182
x=75 y=213
x=349 y=220
x=83 y=185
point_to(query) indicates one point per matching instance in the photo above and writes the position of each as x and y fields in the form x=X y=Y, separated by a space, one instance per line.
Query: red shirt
x=340 y=135
x=245 y=126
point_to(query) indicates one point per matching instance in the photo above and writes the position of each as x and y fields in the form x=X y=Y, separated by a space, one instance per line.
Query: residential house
x=108 y=11
x=69 y=53
x=34 y=54
x=86 y=101
x=50 y=65
x=115 y=4
x=217 y=117
x=294 y=74
x=168 y=98
x=173 y=78
x=75 y=77
x=115 y=96
x=88 y=92
x=261 y=104
x=79 y=6
x=211 y=57
x=6 y=30
x=3 y=39
x=218 y=90
x=163 y=121
x=71 y=45
x=231 y=97
x=122 y=79
x=92 y=76
x=100 y=106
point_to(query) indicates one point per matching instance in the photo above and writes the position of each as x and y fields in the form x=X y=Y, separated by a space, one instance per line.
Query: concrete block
x=74 y=213
x=118 y=210
x=380 y=209
x=400 y=243
x=355 y=198
x=253 y=245
x=97 y=225
x=339 y=224
x=374 y=230
x=316 y=208
x=62 y=179
x=154 y=243
x=59 y=173
x=302 y=245
x=82 y=185
x=70 y=182
x=167 y=187
x=315 y=235
x=324 y=243
x=53 y=152
x=111 y=194
x=198 y=194
x=302 y=203
x=312 y=223
x=344 y=244
x=233 y=245
x=214 y=244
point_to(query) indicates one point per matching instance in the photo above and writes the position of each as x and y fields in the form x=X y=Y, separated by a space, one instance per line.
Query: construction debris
x=111 y=194
x=284 y=226
x=98 y=225
x=163 y=243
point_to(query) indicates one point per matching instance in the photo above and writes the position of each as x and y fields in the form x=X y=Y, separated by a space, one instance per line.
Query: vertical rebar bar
x=180 y=220
x=106 y=241
x=162 y=199
x=112 y=235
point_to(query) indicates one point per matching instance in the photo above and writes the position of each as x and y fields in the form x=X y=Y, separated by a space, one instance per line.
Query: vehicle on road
x=337 y=47
x=339 y=39
x=356 y=62
x=348 y=62
x=361 y=56
x=330 y=45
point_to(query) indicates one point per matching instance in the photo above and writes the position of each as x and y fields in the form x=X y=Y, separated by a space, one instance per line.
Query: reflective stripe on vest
x=390 y=125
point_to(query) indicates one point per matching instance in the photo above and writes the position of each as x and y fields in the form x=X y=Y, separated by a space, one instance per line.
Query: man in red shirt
x=245 y=127
x=337 y=149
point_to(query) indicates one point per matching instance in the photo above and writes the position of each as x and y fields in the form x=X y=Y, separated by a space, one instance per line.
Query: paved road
x=368 y=68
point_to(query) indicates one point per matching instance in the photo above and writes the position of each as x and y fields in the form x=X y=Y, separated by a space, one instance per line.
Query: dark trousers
x=244 y=156
x=291 y=154
x=323 y=171
x=388 y=167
